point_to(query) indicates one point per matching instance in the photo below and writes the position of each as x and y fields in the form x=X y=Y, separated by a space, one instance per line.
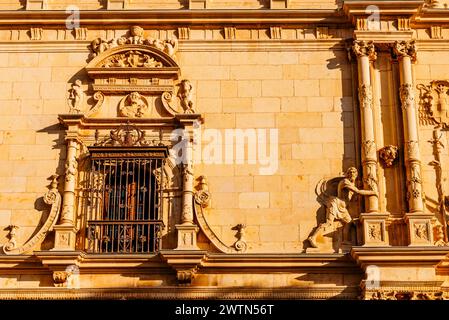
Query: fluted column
x=418 y=222
x=365 y=52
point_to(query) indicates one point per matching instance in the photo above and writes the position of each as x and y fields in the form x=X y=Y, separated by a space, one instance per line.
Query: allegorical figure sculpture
x=185 y=96
x=76 y=97
x=337 y=206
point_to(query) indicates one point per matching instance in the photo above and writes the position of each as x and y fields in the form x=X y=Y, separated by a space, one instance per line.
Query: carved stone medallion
x=134 y=105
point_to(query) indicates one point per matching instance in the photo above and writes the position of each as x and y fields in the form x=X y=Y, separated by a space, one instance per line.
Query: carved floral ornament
x=405 y=49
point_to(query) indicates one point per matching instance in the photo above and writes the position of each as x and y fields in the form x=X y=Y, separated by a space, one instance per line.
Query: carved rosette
x=407 y=95
x=405 y=49
x=375 y=232
x=363 y=48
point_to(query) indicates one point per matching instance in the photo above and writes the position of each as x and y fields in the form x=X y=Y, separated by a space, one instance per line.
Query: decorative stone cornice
x=405 y=49
x=175 y=17
x=365 y=48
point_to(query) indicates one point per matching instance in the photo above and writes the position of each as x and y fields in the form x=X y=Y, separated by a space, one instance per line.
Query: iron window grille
x=124 y=199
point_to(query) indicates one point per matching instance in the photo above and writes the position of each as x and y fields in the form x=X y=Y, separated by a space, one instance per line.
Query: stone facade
x=277 y=106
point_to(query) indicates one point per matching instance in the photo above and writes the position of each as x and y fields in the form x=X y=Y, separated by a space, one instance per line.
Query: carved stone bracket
x=185 y=263
x=52 y=198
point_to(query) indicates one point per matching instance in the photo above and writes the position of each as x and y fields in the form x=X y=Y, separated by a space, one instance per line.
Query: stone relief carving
x=421 y=231
x=12 y=235
x=366 y=96
x=134 y=105
x=169 y=46
x=71 y=169
x=76 y=97
x=414 y=182
x=405 y=49
x=203 y=196
x=60 y=278
x=440 y=231
x=406 y=295
x=131 y=59
x=126 y=135
x=375 y=232
x=388 y=155
x=337 y=205
x=365 y=48
x=407 y=95
x=182 y=101
x=434 y=103
x=240 y=245
x=53 y=198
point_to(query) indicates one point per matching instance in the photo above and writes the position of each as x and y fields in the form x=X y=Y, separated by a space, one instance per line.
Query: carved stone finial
x=405 y=49
x=240 y=245
x=76 y=97
x=388 y=155
x=365 y=48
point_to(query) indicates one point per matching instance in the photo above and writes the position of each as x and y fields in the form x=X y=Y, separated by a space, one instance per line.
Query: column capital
x=405 y=49
x=363 y=48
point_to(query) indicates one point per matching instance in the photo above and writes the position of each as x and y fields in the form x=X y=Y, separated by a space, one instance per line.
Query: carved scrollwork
x=12 y=235
x=53 y=198
x=131 y=59
x=202 y=196
x=240 y=245
x=99 y=98
x=406 y=295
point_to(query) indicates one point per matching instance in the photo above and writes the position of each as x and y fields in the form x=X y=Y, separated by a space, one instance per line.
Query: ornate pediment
x=130 y=68
x=142 y=74
x=434 y=103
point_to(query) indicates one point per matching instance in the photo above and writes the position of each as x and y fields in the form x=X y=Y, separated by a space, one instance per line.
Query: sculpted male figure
x=337 y=206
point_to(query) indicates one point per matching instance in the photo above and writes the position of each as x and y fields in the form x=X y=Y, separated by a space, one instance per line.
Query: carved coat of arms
x=433 y=105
